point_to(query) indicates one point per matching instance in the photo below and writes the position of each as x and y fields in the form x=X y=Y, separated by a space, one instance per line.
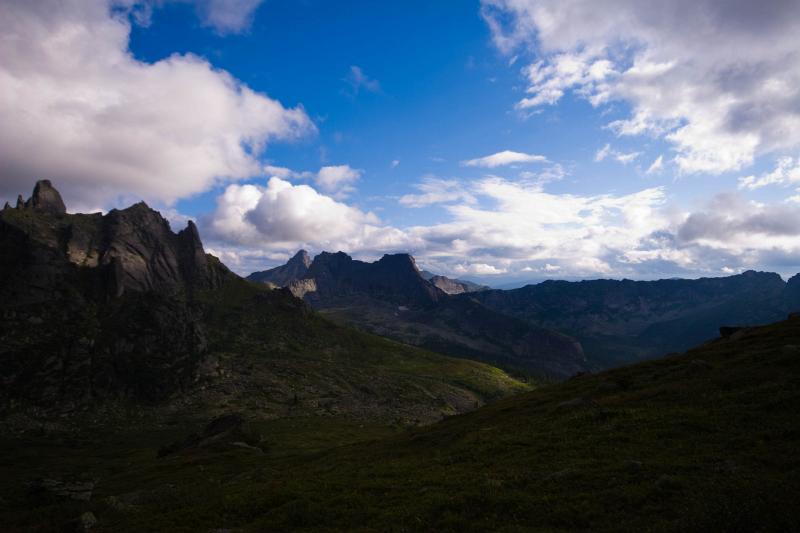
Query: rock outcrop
x=456 y=286
x=282 y=276
x=98 y=305
x=394 y=279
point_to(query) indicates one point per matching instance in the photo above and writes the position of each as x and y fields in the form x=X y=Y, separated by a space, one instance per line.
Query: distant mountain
x=619 y=321
x=390 y=297
x=452 y=286
x=283 y=275
x=108 y=309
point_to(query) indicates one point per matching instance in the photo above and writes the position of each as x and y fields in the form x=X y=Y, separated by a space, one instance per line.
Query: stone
x=47 y=199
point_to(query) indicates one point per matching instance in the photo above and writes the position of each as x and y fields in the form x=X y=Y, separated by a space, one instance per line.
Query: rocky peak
x=130 y=249
x=283 y=276
x=45 y=198
x=394 y=278
x=300 y=258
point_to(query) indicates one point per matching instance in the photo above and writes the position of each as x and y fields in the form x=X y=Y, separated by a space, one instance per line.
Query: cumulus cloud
x=77 y=107
x=720 y=81
x=730 y=220
x=479 y=269
x=337 y=179
x=285 y=216
x=506 y=157
x=435 y=190
x=504 y=227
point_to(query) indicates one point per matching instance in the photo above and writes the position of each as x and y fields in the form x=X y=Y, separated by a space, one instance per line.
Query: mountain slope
x=624 y=321
x=452 y=286
x=104 y=309
x=702 y=441
x=296 y=268
x=392 y=299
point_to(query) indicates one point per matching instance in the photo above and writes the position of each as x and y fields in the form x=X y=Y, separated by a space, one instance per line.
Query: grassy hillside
x=703 y=441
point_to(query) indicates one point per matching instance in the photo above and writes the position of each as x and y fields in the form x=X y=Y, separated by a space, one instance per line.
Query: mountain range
x=117 y=308
x=614 y=321
x=392 y=298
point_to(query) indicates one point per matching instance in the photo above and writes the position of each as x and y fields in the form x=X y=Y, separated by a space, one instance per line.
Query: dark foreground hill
x=114 y=312
x=702 y=441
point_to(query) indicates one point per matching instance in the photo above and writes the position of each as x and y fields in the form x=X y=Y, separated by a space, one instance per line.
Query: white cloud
x=394 y=163
x=358 y=80
x=657 y=165
x=227 y=16
x=621 y=157
x=786 y=172
x=699 y=73
x=282 y=214
x=517 y=227
x=281 y=172
x=555 y=172
x=479 y=269
x=338 y=179
x=602 y=153
x=437 y=191
x=76 y=107
x=506 y=157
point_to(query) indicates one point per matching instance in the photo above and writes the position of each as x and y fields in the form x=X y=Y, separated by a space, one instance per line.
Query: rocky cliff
x=296 y=268
x=98 y=305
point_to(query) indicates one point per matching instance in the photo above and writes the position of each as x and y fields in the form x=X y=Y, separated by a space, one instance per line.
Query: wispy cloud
x=358 y=81
x=506 y=157
x=621 y=157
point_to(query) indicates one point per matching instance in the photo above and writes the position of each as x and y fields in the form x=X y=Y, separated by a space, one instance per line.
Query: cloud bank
x=77 y=108
x=720 y=81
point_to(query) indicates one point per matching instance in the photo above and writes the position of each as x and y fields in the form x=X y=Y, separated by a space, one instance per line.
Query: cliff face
x=97 y=305
x=394 y=279
x=295 y=269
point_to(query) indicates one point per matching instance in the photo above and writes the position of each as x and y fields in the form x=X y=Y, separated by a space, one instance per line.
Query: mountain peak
x=294 y=269
x=45 y=199
x=400 y=260
x=300 y=258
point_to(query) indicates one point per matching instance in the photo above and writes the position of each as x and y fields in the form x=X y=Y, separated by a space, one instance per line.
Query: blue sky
x=627 y=141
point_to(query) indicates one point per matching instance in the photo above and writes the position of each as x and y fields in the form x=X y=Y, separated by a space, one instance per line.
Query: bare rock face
x=456 y=286
x=394 y=278
x=282 y=276
x=98 y=305
x=46 y=199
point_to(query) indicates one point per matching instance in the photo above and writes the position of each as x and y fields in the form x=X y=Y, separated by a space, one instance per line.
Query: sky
x=495 y=140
